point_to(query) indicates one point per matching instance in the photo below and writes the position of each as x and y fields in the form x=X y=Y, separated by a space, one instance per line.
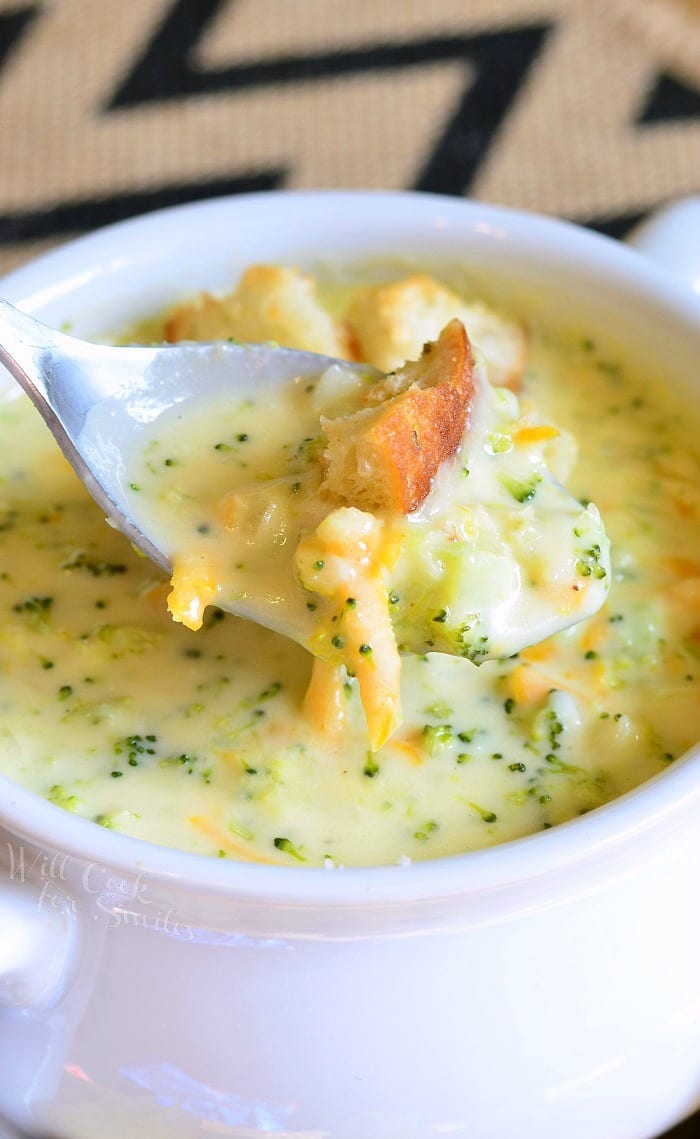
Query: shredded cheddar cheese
x=342 y=562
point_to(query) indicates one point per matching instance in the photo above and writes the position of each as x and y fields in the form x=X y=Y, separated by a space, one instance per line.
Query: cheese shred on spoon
x=422 y=513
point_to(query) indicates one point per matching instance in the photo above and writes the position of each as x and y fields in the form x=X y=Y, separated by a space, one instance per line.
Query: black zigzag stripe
x=669 y=101
x=503 y=60
x=81 y=215
x=12 y=26
x=164 y=70
x=613 y=225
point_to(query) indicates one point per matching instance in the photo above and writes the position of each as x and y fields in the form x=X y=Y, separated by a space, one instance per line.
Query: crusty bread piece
x=271 y=302
x=391 y=322
x=386 y=456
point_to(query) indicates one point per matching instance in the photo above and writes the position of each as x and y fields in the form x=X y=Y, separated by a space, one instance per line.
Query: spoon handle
x=23 y=345
x=65 y=378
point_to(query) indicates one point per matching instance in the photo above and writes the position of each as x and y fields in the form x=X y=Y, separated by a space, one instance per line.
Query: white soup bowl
x=546 y=988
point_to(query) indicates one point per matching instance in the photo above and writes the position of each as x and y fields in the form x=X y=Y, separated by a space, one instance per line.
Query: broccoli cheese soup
x=331 y=522
x=215 y=741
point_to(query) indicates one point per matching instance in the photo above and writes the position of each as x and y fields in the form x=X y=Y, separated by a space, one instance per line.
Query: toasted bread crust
x=386 y=456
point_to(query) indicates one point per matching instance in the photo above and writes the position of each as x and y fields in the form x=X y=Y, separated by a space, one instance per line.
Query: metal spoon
x=74 y=384
x=97 y=399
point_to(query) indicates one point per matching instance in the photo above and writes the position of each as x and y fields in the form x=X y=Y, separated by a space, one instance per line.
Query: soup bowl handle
x=37 y=941
x=671 y=237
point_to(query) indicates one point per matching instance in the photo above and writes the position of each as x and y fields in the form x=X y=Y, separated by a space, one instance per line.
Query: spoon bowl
x=100 y=403
x=94 y=398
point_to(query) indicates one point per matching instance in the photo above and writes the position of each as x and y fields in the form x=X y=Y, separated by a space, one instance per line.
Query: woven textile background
x=587 y=109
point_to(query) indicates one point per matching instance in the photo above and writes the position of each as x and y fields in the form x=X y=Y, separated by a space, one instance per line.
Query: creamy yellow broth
x=195 y=740
x=498 y=556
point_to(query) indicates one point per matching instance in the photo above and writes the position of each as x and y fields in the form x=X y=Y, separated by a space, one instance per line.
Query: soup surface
x=243 y=493
x=200 y=740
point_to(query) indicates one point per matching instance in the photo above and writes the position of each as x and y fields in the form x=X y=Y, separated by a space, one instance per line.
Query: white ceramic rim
x=652 y=804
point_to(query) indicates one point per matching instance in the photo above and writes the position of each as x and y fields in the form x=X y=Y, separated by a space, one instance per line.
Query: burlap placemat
x=588 y=109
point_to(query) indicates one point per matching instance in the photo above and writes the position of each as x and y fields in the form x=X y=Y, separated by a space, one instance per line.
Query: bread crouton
x=271 y=302
x=390 y=324
x=203 y=318
x=385 y=456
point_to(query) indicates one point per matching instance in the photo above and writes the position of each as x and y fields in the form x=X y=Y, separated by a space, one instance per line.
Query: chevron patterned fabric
x=586 y=109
